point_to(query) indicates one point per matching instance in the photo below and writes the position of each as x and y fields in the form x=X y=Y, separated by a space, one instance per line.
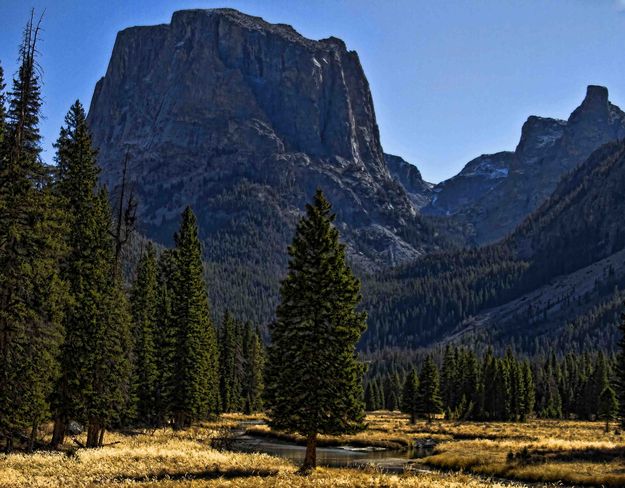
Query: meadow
x=466 y=454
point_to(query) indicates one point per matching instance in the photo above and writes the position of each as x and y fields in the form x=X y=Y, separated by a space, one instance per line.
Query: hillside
x=561 y=270
x=495 y=192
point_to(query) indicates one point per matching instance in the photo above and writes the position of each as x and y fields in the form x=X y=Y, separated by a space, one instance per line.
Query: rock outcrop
x=494 y=193
x=242 y=120
x=409 y=176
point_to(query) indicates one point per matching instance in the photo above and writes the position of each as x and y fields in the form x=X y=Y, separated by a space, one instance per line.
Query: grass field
x=574 y=452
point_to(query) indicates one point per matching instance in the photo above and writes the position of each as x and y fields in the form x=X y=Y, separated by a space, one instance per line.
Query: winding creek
x=388 y=460
x=335 y=456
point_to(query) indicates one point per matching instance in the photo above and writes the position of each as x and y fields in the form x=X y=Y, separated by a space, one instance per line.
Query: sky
x=450 y=79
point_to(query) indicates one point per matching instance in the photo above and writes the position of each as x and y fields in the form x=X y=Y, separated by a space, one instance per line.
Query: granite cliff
x=242 y=120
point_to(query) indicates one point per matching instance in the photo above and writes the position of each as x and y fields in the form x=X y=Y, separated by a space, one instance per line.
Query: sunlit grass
x=165 y=458
x=542 y=451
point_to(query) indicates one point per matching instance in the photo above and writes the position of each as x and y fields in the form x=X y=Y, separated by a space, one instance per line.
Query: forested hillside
x=577 y=227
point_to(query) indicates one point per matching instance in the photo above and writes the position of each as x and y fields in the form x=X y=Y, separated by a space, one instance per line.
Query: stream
x=334 y=456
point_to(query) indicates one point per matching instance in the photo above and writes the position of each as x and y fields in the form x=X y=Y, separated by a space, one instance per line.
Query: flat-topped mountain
x=495 y=192
x=243 y=119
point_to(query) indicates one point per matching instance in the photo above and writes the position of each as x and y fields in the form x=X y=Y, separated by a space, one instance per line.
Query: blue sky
x=450 y=79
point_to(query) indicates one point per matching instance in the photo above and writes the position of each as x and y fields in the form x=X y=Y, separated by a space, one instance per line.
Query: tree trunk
x=58 y=433
x=413 y=418
x=9 y=445
x=310 y=460
x=101 y=437
x=93 y=434
x=33 y=436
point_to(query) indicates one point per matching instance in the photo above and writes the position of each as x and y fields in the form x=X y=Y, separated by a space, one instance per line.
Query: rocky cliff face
x=494 y=193
x=409 y=176
x=243 y=119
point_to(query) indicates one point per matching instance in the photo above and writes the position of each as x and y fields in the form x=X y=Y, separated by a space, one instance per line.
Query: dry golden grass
x=167 y=459
x=579 y=453
x=388 y=440
x=573 y=452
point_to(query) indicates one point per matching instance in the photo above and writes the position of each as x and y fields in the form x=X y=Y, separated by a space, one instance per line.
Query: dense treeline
x=467 y=386
x=75 y=344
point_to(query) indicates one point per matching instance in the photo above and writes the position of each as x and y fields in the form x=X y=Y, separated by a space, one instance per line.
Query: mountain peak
x=596 y=95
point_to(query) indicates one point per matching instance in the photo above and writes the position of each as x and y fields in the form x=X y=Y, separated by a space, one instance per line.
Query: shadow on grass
x=541 y=456
x=212 y=474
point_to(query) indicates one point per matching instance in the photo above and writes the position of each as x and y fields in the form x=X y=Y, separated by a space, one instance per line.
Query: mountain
x=409 y=176
x=242 y=120
x=556 y=283
x=494 y=193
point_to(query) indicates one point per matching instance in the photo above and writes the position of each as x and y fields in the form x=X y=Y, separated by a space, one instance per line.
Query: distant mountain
x=556 y=283
x=494 y=193
x=409 y=176
x=243 y=119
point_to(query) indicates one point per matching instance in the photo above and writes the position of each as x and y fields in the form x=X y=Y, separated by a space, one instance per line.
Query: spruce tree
x=314 y=377
x=429 y=400
x=144 y=305
x=608 y=406
x=165 y=336
x=85 y=269
x=230 y=354
x=107 y=354
x=410 y=396
x=32 y=294
x=196 y=377
x=2 y=110
x=253 y=384
x=620 y=372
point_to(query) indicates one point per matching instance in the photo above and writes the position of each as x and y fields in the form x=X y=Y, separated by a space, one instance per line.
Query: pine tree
x=107 y=359
x=230 y=354
x=314 y=378
x=196 y=376
x=253 y=385
x=144 y=305
x=608 y=406
x=2 y=110
x=449 y=379
x=165 y=336
x=530 y=391
x=410 y=396
x=429 y=400
x=85 y=269
x=620 y=372
x=32 y=295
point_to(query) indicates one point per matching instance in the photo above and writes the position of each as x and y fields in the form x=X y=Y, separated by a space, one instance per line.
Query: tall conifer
x=314 y=380
x=196 y=376
x=144 y=305
x=32 y=294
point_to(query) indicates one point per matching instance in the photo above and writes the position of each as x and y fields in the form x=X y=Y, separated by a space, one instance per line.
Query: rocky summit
x=243 y=120
x=495 y=192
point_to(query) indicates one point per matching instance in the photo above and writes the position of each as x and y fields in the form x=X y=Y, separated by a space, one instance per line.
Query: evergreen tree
x=608 y=406
x=410 y=398
x=165 y=336
x=429 y=400
x=2 y=110
x=450 y=379
x=144 y=305
x=314 y=378
x=620 y=372
x=196 y=376
x=530 y=391
x=253 y=385
x=107 y=353
x=32 y=295
x=230 y=354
